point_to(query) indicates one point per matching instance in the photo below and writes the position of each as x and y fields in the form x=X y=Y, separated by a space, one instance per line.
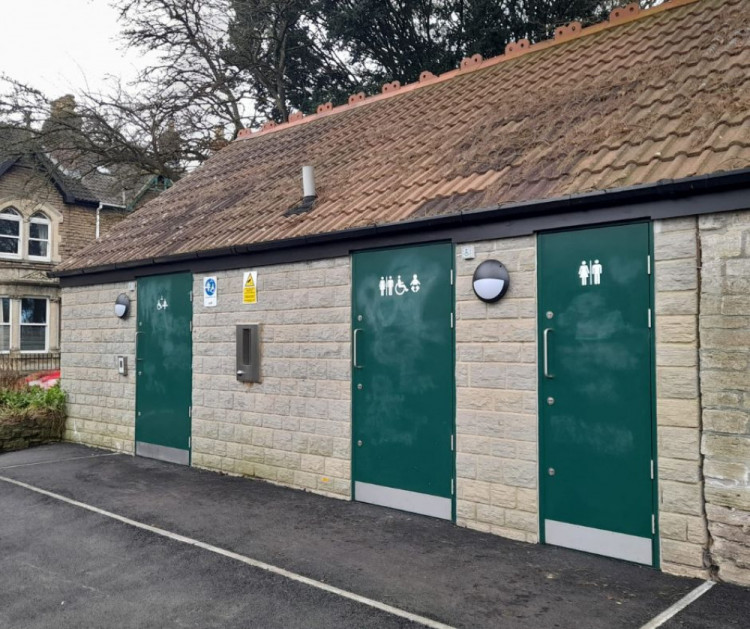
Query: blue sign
x=209 y=291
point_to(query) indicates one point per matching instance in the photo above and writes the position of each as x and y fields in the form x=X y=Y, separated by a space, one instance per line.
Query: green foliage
x=300 y=53
x=50 y=400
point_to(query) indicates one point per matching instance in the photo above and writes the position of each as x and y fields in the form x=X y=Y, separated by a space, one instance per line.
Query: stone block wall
x=496 y=396
x=682 y=523
x=725 y=389
x=294 y=427
x=101 y=402
x=79 y=228
x=29 y=432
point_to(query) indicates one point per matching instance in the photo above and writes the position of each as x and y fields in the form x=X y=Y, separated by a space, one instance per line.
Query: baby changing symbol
x=389 y=287
x=415 y=284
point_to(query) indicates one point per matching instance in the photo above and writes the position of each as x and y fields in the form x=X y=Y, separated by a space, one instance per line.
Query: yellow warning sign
x=250 y=288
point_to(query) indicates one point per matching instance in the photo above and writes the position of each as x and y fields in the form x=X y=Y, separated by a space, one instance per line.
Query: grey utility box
x=248 y=352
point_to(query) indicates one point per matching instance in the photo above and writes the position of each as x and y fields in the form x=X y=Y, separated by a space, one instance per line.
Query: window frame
x=36 y=325
x=9 y=323
x=13 y=214
x=40 y=219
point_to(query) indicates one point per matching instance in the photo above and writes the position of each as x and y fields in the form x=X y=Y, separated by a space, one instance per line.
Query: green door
x=164 y=367
x=595 y=341
x=402 y=378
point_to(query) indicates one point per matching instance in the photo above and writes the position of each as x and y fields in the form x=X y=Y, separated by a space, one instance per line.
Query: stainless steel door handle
x=355 y=364
x=545 y=348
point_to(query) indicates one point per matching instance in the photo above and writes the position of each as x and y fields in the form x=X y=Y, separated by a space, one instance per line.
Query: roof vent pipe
x=308 y=182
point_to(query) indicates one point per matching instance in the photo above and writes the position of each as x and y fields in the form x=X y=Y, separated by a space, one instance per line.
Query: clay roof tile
x=649 y=95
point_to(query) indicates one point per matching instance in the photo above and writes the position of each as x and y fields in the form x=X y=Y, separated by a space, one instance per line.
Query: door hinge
x=451 y=277
x=190 y=442
x=648 y=264
x=191 y=326
x=453 y=489
x=191 y=296
x=452 y=443
x=653 y=524
x=190 y=412
x=649 y=317
x=451 y=320
x=652 y=469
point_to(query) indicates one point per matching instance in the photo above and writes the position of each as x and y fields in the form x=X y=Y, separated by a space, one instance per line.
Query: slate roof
x=660 y=94
x=76 y=176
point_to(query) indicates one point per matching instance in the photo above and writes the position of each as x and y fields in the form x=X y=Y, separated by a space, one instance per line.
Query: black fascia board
x=664 y=199
x=7 y=165
x=67 y=196
x=54 y=173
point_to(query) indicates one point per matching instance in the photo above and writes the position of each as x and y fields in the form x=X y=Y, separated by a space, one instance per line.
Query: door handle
x=545 y=345
x=355 y=364
x=137 y=347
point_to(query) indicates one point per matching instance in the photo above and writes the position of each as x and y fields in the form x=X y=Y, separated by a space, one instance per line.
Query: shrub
x=33 y=405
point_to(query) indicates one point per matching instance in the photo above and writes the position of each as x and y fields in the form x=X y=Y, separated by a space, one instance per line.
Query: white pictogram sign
x=162 y=304
x=389 y=287
x=591 y=273
x=415 y=284
x=209 y=291
x=400 y=288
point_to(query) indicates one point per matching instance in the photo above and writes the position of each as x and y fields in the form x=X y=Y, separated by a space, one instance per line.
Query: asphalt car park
x=94 y=539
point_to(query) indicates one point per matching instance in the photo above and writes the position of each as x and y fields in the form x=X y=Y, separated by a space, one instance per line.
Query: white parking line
x=670 y=612
x=395 y=611
x=72 y=458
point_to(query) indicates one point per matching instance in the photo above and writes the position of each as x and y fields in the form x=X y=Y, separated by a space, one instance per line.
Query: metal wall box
x=248 y=352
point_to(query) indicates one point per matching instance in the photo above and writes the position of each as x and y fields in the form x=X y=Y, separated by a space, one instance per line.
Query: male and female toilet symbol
x=388 y=287
x=590 y=273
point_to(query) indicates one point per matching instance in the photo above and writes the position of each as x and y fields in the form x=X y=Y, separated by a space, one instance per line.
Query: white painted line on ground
x=72 y=458
x=686 y=600
x=395 y=611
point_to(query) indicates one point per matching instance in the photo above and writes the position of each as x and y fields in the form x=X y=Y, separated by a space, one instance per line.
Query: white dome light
x=491 y=281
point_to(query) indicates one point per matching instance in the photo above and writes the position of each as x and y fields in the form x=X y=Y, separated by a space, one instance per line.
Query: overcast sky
x=59 y=45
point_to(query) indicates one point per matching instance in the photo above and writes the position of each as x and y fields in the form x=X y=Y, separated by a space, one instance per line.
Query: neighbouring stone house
x=516 y=297
x=52 y=204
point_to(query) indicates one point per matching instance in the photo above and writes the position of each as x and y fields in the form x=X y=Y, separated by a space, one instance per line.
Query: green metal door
x=164 y=367
x=403 y=378
x=595 y=358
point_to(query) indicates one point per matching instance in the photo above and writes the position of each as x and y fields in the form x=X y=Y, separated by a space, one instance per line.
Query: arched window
x=39 y=228
x=10 y=232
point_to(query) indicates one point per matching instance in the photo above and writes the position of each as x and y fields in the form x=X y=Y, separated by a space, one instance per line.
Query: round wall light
x=491 y=281
x=122 y=305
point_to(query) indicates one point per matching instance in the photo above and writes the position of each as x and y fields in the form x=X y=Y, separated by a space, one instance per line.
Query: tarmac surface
x=64 y=565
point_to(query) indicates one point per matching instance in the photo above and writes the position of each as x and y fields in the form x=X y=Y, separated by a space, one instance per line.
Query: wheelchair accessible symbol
x=389 y=287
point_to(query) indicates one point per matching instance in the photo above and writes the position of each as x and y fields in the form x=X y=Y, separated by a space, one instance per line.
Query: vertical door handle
x=355 y=364
x=545 y=344
x=137 y=347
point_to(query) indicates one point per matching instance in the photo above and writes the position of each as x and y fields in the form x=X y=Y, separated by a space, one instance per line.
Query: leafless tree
x=214 y=67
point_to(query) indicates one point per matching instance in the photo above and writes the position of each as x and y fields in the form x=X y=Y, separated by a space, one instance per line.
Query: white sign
x=389 y=287
x=209 y=291
x=591 y=273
